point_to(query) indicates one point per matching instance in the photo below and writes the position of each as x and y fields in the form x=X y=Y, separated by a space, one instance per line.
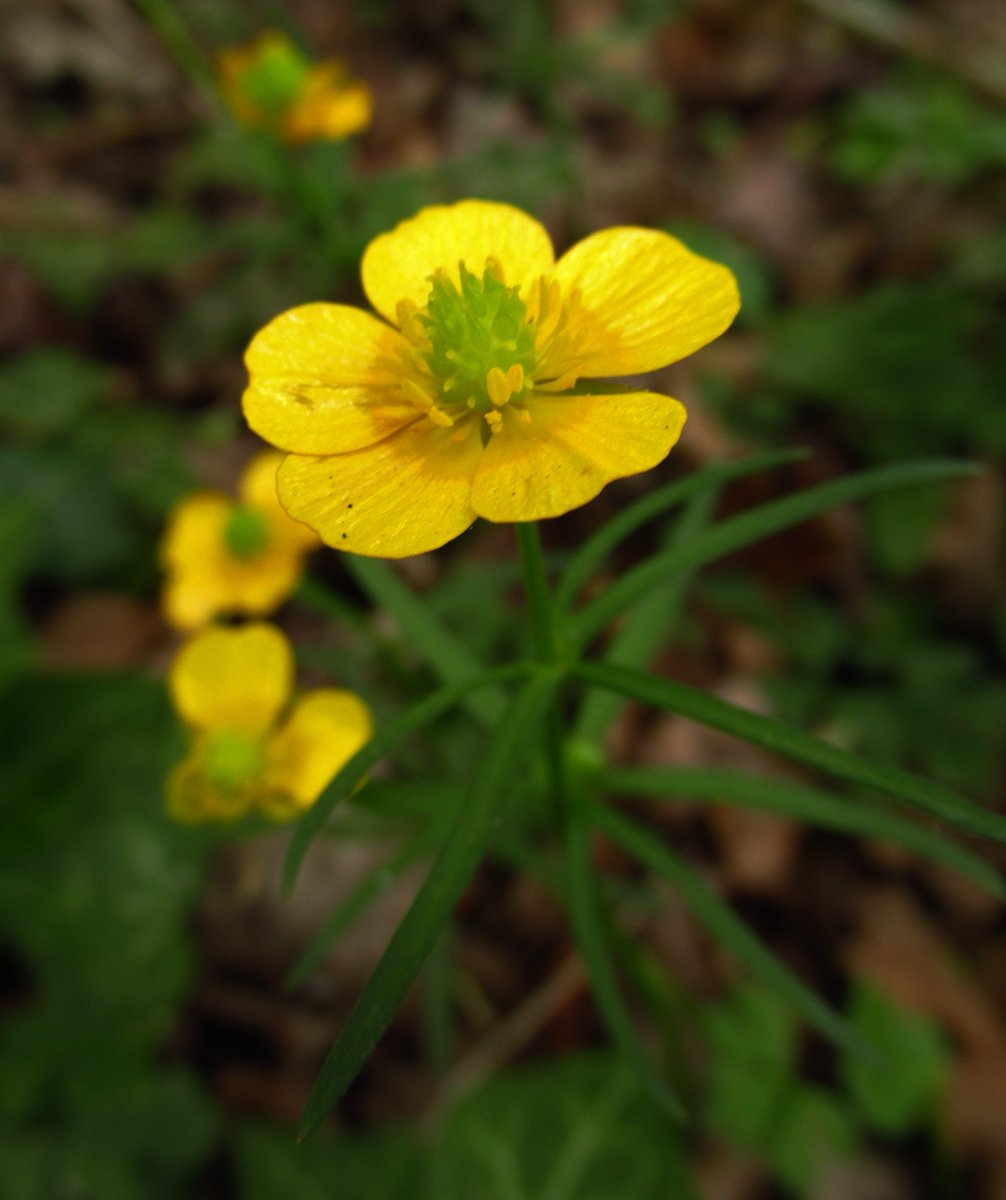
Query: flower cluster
x=224 y=555
x=231 y=685
x=232 y=688
x=270 y=85
x=483 y=387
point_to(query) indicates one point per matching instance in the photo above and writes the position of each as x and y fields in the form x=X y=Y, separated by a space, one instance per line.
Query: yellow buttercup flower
x=231 y=687
x=241 y=556
x=481 y=392
x=270 y=85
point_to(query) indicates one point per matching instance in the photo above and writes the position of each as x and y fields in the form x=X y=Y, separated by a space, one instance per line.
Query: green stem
x=187 y=52
x=544 y=636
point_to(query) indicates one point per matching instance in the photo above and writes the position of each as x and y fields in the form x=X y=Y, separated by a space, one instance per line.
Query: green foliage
x=582 y=1128
x=89 y=1111
x=898 y=1093
x=17 y=527
x=45 y=392
x=98 y=491
x=578 y=1128
x=752 y=1060
x=894 y=367
x=755 y=1098
x=383 y=1165
x=918 y=124
x=910 y=694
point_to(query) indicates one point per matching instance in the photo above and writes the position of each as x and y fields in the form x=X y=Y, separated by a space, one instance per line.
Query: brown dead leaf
x=99 y=631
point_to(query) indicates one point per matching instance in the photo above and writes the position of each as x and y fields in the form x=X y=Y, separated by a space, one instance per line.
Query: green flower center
x=482 y=349
x=232 y=759
x=246 y=533
x=276 y=78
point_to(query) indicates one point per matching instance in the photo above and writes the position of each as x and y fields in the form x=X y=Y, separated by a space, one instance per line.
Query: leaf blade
x=447 y=878
x=774 y=735
x=383 y=740
x=597 y=547
x=724 y=924
x=737 y=532
x=714 y=785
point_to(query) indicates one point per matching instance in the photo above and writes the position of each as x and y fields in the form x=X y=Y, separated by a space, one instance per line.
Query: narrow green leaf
x=588 y=931
x=724 y=924
x=384 y=740
x=804 y=804
x=647 y=628
x=355 y=904
x=457 y=861
x=450 y=658
x=596 y=549
x=774 y=735
x=739 y=531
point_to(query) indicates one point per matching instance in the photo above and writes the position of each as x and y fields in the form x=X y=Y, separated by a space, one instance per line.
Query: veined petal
x=652 y=299
x=571 y=448
x=324 y=730
x=398 y=265
x=316 y=384
x=258 y=490
x=233 y=678
x=405 y=495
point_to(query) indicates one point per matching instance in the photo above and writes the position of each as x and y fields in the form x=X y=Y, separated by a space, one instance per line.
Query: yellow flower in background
x=269 y=84
x=481 y=393
x=231 y=687
x=232 y=556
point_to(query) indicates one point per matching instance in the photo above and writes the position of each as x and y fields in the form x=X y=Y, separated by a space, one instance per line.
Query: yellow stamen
x=498 y=386
x=439 y=417
x=494 y=420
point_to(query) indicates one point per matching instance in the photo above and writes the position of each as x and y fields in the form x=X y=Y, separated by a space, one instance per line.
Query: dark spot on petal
x=349 y=506
x=345 y=535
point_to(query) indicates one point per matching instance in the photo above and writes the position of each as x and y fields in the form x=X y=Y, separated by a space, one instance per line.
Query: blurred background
x=848 y=161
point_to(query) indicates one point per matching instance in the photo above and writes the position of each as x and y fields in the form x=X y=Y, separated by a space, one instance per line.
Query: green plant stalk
x=462 y=851
x=175 y=34
x=541 y=615
x=572 y=817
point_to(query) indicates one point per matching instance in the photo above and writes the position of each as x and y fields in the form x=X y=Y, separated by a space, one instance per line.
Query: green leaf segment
x=524 y=709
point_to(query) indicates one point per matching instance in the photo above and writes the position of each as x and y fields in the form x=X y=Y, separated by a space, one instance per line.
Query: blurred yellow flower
x=480 y=393
x=270 y=85
x=231 y=687
x=223 y=555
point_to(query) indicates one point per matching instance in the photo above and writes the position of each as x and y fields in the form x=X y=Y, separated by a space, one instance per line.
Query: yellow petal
x=652 y=300
x=316 y=386
x=257 y=489
x=572 y=447
x=191 y=599
x=324 y=730
x=330 y=108
x=408 y=494
x=233 y=678
x=195 y=528
x=398 y=265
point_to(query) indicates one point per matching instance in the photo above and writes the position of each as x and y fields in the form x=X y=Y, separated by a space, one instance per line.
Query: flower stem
x=544 y=635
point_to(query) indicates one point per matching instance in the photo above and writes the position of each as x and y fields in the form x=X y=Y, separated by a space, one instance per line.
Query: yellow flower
x=231 y=686
x=270 y=85
x=481 y=394
x=224 y=555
